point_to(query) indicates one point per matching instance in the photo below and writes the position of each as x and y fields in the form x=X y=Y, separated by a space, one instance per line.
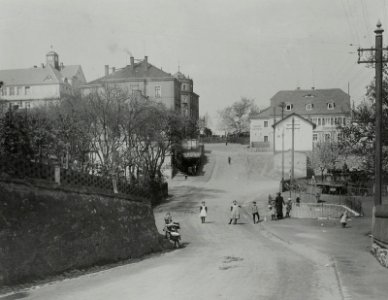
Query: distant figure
x=288 y=207
x=229 y=159
x=255 y=212
x=297 y=200
x=203 y=212
x=344 y=219
x=234 y=213
x=272 y=211
x=168 y=218
x=279 y=202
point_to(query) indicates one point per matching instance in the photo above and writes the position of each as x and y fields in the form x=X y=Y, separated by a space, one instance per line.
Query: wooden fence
x=68 y=177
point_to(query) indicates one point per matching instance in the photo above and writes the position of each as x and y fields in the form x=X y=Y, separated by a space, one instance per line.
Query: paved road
x=218 y=261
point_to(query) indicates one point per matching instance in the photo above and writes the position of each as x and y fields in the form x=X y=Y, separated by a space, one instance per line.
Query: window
x=289 y=107
x=327 y=137
x=27 y=90
x=330 y=105
x=158 y=91
x=11 y=90
x=18 y=90
x=315 y=137
x=4 y=91
x=20 y=104
x=323 y=121
x=331 y=121
x=344 y=120
x=134 y=88
x=28 y=104
x=319 y=121
x=265 y=123
x=309 y=106
x=265 y=138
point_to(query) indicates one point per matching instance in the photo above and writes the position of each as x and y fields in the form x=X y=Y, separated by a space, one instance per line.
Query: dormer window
x=309 y=106
x=330 y=105
x=289 y=106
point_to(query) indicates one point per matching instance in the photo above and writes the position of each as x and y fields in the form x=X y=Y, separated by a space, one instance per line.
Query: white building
x=328 y=109
x=303 y=134
x=42 y=85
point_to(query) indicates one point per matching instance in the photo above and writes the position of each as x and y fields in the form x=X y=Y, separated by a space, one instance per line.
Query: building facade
x=189 y=99
x=37 y=86
x=328 y=109
x=141 y=76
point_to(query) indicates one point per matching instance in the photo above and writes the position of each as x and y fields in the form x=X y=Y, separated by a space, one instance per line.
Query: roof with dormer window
x=319 y=98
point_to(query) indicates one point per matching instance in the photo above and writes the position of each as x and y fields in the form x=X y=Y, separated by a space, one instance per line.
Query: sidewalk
x=360 y=275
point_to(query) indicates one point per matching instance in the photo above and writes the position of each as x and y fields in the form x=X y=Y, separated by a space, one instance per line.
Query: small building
x=37 y=86
x=303 y=133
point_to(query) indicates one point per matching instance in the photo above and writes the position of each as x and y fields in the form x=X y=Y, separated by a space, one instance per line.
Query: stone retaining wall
x=46 y=231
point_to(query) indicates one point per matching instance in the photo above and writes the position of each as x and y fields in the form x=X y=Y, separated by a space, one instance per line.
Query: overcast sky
x=232 y=49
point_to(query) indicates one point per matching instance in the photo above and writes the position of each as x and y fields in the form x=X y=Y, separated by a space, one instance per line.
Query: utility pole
x=292 y=151
x=378 y=60
x=282 y=106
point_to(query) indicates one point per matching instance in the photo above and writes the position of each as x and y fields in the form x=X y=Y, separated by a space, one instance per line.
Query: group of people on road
x=276 y=205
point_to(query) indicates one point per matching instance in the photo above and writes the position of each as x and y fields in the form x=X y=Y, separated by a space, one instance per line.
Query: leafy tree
x=358 y=137
x=325 y=155
x=236 y=118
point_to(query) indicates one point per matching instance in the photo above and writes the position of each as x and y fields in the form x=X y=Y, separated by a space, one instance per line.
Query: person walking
x=234 y=213
x=203 y=212
x=344 y=219
x=279 y=202
x=229 y=159
x=255 y=212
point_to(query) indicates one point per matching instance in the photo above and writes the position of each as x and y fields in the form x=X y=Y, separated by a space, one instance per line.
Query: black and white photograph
x=193 y=150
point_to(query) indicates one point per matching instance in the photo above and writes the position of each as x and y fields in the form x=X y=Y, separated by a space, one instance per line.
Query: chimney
x=113 y=69
x=313 y=88
x=145 y=63
x=62 y=66
x=132 y=62
x=106 y=70
x=298 y=88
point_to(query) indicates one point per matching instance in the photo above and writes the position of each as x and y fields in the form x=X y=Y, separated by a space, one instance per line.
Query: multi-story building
x=189 y=99
x=141 y=76
x=326 y=108
x=42 y=85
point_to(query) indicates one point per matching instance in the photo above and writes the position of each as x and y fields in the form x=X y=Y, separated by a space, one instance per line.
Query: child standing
x=203 y=212
x=255 y=213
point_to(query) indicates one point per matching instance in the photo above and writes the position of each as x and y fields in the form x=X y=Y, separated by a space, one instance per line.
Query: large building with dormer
x=142 y=76
x=43 y=85
x=328 y=109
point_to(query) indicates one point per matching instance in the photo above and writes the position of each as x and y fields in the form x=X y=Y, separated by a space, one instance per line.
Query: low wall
x=314 y=211
x=380 y=235
x=46 y=230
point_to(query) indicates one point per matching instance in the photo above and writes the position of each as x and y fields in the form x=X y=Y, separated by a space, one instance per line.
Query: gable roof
x=295 y=115
x=319 y=98
x=31 y=76
x=139 y=70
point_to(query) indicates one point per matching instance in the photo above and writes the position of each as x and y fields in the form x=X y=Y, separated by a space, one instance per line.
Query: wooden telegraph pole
x=378 y=60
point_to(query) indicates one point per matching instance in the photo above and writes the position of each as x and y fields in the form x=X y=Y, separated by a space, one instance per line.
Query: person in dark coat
x=279 y=202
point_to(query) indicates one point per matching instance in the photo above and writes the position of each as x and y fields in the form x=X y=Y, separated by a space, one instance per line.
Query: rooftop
x=308 y=102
